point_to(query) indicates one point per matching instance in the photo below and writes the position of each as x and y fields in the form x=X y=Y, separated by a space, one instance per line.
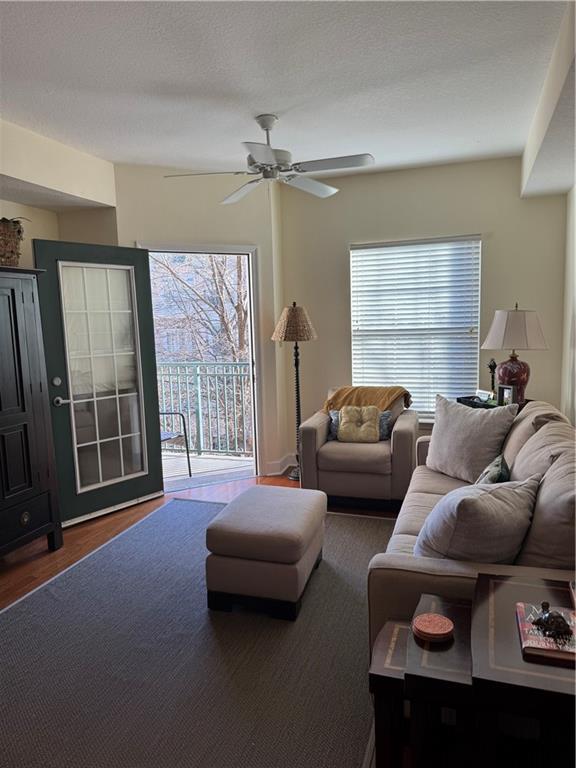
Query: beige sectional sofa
x=541 y=440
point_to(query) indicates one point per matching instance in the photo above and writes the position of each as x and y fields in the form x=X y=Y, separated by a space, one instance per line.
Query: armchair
x=363 y=470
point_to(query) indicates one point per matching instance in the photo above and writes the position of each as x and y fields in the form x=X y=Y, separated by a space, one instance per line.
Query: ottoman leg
x=282 y=609
x=219 y=601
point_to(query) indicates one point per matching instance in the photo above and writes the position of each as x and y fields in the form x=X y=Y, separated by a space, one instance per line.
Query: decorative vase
x=11 y=235
x=514 y=373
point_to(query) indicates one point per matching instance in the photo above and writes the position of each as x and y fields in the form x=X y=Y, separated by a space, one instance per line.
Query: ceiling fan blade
x=310 y=185
x=334 y=163
x=241 y=192
x=207 y=173
x=261 y=153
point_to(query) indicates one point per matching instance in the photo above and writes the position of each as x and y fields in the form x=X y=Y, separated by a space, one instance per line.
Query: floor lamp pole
x=294 y=474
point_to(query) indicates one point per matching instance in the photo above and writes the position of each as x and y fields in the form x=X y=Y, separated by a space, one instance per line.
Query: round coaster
x=432 y=627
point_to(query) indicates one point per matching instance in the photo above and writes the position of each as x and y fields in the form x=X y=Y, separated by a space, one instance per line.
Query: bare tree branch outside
x=201 y=325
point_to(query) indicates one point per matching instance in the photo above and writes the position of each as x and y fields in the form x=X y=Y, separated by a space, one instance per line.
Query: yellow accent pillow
x=359 y=424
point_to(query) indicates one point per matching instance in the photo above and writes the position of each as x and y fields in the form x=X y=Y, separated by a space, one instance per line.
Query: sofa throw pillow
x=385 y=425
x=496 y=472
x=334 y=424
x=465 y=440
x=480 y=523
x=359 y=424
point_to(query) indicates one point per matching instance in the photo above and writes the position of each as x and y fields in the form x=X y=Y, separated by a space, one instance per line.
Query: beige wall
x=35 y=159
x=89 y=225
x=523 y=255
x=569 y=351
x=42 y=225
x=184 y=213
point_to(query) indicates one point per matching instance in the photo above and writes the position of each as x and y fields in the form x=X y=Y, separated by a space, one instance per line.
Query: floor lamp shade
x=515 y=329
x=295 y=325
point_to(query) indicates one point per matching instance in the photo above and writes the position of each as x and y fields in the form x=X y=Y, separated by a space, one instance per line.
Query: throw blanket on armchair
x=381 y=397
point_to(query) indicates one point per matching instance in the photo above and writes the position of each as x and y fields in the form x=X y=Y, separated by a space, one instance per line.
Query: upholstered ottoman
x=263 y=548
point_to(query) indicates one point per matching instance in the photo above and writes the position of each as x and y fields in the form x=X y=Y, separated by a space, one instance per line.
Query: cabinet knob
x=25 y=519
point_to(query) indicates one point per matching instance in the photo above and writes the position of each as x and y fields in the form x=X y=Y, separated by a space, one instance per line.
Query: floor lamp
x=294 y=325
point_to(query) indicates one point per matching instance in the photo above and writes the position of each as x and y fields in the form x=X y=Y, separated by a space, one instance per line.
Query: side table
x=527 y=706
x=430 y=683
x=386 y=680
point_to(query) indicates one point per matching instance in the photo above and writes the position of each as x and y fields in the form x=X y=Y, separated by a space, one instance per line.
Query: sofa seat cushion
x=530 y=419
x=415 y=510
x=401 y=544
x=426 y=480
x=368 y=458
x=268 y=523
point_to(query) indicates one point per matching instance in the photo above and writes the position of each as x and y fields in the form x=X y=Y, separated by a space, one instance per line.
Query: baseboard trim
x=115 y=508
x=279 y=466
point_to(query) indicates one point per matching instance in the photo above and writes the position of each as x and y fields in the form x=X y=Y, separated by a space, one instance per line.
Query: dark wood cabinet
x=28 y=494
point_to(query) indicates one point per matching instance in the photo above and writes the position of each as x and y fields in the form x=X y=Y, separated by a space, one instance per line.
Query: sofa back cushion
x=530 y=419
x=541 y=451
x=550 y=539
x=465 y=440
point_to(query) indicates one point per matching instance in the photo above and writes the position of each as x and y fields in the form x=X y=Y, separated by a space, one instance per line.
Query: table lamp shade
x=294 y=325
x=514 y=329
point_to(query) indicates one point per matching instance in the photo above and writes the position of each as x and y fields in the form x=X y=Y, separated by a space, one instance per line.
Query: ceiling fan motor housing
x=283 y=161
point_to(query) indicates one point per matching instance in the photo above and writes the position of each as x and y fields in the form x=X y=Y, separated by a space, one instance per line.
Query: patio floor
x=205 y=469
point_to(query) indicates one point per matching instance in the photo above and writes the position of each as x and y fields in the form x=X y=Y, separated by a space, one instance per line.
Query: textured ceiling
x=177 y=84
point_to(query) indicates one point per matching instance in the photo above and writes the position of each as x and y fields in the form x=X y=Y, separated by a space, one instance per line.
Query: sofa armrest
x=313 y=435
x=396 y=582
x=403 y=449
x=422 y=446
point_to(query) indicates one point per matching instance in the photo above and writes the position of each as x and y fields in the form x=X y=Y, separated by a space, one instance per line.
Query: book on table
x=536 y=646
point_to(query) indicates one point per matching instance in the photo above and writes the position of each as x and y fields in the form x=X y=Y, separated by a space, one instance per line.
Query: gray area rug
x=117 y=663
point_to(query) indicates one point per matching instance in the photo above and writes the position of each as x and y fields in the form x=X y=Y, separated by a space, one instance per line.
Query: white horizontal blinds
x=415 y=315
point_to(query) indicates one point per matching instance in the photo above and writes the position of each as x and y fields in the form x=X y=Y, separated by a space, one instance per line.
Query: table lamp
x=295 y=325
x=514 y=329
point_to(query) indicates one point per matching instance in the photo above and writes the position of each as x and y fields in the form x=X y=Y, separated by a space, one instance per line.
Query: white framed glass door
x=104 y=369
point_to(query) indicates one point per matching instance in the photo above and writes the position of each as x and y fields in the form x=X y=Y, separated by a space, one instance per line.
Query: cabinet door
x=19 y=466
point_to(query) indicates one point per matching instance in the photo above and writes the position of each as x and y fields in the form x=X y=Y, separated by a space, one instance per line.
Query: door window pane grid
x=103 y=368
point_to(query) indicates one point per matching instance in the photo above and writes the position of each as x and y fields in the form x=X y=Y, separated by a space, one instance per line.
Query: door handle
x=60 y=401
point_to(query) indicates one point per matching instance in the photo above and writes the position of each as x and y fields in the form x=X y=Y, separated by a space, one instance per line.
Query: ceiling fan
x=270 y=164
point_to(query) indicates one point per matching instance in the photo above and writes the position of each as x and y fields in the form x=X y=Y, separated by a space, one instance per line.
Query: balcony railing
x=216 y=401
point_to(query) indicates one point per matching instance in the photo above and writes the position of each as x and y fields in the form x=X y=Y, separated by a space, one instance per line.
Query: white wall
x=42 y=225
x=569 y=345
x=523 y=255
x=185 y=213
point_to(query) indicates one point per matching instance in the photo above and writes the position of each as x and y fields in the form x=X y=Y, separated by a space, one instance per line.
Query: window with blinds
x=415 y=316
